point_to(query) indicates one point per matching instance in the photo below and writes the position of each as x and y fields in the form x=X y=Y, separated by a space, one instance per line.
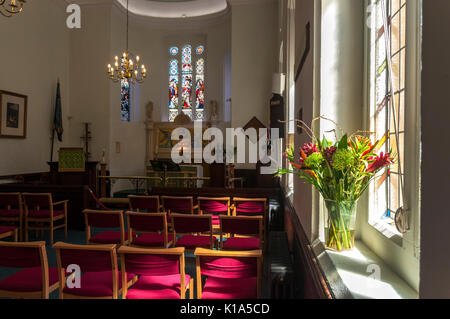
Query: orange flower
x=295 y=165
x=312 y=173
x=303 y=154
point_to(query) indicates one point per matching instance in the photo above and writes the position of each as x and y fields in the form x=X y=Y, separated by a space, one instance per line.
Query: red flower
x=310 y=148
x=381 y=161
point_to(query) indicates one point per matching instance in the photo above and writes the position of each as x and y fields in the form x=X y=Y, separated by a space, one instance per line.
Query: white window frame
x=409 y=242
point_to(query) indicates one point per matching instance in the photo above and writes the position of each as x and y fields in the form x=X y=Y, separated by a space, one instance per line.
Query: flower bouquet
x=341 y=171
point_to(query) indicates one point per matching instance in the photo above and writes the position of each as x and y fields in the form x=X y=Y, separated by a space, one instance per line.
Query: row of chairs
x=215 y=206
x=92 y=272
x=150 y=230
x=32 y=211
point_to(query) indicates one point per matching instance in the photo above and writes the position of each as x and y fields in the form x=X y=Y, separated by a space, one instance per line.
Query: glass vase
x=340 y=224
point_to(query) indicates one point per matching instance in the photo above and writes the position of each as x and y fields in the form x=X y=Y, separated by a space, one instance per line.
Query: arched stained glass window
x=173 y=89
x=125 y=100
x=200 y=89
x=192 y=69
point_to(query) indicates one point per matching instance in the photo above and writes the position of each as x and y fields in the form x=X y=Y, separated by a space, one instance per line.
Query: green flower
x=313 y=161
x=343 y=159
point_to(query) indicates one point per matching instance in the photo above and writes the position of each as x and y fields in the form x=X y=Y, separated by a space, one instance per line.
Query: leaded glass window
x=125 y=100
x=387 y=110
x=186 y=66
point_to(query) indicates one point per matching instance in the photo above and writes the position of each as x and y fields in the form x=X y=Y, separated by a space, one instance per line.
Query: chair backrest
x=149 y=204
x=242 y=225
x=214 y=205
x=103 y=219
x=27 y=255
x=145 y=222
x=22 y=255
x=37 y=201
x=184 y=224
x=178 y=205
x=228 y=265
x=90 y=258
x=152 y=262
x=250 y=206
x=10 y=201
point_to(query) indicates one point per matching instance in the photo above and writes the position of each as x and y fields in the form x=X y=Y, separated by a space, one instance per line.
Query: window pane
x=200 y=89
x=186 y=96
x=125 y=100
x=173 y=90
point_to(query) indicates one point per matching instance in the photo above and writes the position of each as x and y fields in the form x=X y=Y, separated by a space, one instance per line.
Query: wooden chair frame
x=46 y=288
x=169 y=251
x=259 y=234
x=111 y=248
x=201 y=252
x=193 y=208
x=19 y=219
x=193 y=217
x=50 y=220
x=115 y=212
x=13 y=233
x=167 y=243
x=160 y=207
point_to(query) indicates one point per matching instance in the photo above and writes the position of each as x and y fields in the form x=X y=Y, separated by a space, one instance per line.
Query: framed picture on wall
x=13 y=115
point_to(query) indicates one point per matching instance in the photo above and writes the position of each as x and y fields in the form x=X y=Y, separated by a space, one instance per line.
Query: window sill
x=352 y=275
x=388 y=231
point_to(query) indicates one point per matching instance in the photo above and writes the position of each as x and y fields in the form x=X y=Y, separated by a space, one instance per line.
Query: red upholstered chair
x=252 y=207
x=100 y=277
x=178 y=205
x=215 y=206
x=105 y=219
x=8 y=231
x=40 y=209
x=149 y=204
x=241 y=225
x=152 y=229
x=11 y=210
x=196 y=230
x=229 y=274
x=161 y=273
x=36 y=280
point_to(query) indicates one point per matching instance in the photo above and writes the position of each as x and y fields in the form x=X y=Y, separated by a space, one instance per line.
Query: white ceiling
x=175 y=8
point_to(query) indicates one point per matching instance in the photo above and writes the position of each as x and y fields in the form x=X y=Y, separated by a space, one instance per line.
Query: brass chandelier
x=11 y=8
x=127 y=69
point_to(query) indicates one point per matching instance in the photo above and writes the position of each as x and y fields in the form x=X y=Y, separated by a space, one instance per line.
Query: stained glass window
x=192 y=68
x=173 y=89
x=388 y=110
x=200 y=89
x=125 y=100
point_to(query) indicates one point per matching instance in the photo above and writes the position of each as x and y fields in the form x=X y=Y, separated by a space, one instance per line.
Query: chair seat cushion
x=108 y=237
x=152 y=240
x=157 y=287
x=225 y=288
x=5 y=229
x=28 y=280
x=96 y=284
x=240 y=243
x=192 y=241
x=215 y=220
x=44 y=213
x=9 y=213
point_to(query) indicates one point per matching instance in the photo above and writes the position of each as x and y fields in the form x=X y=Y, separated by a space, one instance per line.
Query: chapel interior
x=108 y=114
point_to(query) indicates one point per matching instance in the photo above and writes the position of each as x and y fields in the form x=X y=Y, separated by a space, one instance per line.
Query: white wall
x=34 y=53
x=254 y=59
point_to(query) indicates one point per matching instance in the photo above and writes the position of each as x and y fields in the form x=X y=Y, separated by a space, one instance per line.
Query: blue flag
x=57 y=121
